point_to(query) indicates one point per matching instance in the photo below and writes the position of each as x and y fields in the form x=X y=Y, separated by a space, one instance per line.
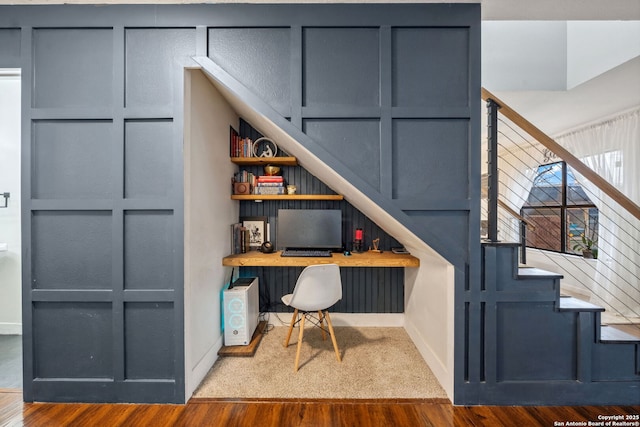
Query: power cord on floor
x=264 y=317
x=282 y=322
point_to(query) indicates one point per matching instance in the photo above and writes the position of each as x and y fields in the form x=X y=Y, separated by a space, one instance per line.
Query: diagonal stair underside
x=328 y=167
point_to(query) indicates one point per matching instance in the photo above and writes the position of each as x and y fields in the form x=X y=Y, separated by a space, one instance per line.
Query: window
x=565 y=219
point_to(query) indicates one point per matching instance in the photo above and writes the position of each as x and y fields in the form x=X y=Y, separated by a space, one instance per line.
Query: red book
x=233 y=142
x=265 y=178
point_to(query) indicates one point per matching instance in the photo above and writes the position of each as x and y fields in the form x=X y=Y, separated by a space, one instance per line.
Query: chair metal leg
x=320 y=317
x=333 y=336
x=293 y=322
x=299 y=342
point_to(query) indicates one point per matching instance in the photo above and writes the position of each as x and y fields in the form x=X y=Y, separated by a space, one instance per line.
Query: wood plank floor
x=279 y=413
x=10 y=361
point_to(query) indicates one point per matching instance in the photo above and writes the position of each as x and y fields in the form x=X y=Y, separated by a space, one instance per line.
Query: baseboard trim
x=203 y=366
x=383 y=401
x=436 y=366
x=10 y=328
x=379 y=320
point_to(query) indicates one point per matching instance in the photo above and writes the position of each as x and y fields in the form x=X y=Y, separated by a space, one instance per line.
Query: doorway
x=10 y=231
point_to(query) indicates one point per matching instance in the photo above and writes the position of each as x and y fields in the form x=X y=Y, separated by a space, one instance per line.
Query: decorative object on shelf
x=400 y=250
x=266 y=248
x=271 y=170
x=257 y=228
x=241 y=188
x=376 y=245
x=291 y=189
x=358 y=240
x=264 y=147
x=242 y=183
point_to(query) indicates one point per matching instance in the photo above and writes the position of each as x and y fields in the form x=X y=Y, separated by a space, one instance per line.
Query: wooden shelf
x=365 y=259
x=260 y=161
x=283 y=161
x=287 y=197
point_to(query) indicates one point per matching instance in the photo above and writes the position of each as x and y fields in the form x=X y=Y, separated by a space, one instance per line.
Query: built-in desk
x=366 y=259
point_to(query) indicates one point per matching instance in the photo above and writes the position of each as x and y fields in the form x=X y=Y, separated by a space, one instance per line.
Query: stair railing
x=562 y=153
x=520 y=135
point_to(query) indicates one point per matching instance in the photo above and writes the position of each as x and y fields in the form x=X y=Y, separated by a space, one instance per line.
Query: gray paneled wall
x=389 y=90
x=260 y=58
x=10 y=47
x=84 y=237
x=69 y=159
x=328 y=58
x=442 y=80
x=147 y=157
x=72 y=67
x=392 y=104
x=338 y=136
x=103 y=201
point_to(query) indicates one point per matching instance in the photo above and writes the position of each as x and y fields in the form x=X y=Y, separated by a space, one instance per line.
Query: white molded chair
x=318 y=287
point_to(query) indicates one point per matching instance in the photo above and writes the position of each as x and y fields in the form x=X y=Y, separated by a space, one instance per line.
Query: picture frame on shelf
x=257 y=228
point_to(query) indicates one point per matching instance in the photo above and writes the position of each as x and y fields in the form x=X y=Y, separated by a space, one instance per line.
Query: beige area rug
x=377 y=363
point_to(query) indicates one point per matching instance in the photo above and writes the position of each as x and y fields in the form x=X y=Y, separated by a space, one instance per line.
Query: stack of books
x=265 y=184
x=240 y=147
x=244 y=176
x=239 y=239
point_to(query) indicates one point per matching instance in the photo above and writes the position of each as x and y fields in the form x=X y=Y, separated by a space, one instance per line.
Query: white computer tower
x=240 y=305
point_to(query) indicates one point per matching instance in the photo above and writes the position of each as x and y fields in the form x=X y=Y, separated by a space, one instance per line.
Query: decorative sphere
x=271 y=170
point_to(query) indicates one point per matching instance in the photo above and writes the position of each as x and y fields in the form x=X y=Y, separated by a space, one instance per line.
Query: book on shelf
x=269 y=184
x=238 y=146
x=270 y=178
x=239 y=239
x=235 y=238
x=233 y=141
x=269 y=190
x=244 y=243
x=244 y=176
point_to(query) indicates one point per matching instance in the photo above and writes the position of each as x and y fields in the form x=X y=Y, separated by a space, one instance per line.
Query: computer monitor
x=309 y=229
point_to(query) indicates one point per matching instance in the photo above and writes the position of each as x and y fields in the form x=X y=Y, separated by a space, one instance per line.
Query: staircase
x=542 y=346
x=553 y=208
x=550 y=342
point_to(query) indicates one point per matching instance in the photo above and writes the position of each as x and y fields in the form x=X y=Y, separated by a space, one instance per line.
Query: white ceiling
x=596 y=99
x=557 y=112
x=563 y=10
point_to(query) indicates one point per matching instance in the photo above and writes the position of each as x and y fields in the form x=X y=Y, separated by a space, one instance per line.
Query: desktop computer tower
x=240 y=306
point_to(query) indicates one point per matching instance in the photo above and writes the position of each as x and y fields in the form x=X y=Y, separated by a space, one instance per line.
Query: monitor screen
x=309 y=229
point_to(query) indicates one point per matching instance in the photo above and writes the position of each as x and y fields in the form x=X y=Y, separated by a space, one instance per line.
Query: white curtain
x=612 y=149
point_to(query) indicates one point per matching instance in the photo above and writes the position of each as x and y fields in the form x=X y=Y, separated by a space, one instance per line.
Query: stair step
x=487 y=242
x=536 y=273
x=621 y=334
x=574 y=304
